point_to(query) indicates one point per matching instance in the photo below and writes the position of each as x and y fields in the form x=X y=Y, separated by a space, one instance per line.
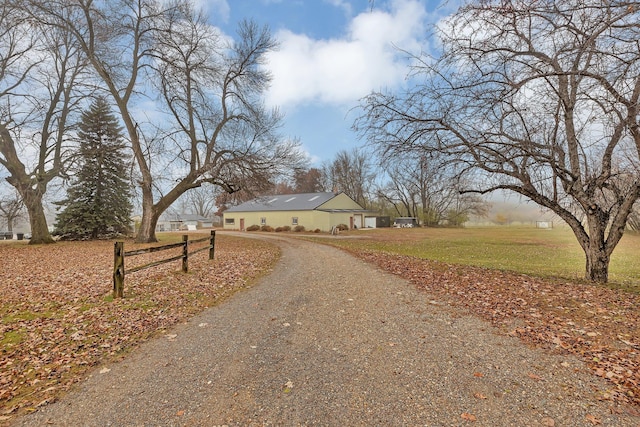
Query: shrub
x=298 y=228
x=253 y=227
x=317 y=230
x=266 y=228
x=279 y=229
x=286 y=228
x=342 y=227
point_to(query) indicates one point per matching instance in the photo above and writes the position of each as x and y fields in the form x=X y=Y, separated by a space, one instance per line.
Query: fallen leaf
x=105 y=370
x=467 y=416
x=593 y=420
x=180 y=413
x=478 y=374
x=633 y=411
x=534 y=376
x=479 y=396
x=548 y=422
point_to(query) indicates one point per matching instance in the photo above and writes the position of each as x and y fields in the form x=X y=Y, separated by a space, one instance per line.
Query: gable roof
x=284 y=202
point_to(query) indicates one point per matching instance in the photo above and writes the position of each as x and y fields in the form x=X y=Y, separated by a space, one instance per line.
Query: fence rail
x=119 y=255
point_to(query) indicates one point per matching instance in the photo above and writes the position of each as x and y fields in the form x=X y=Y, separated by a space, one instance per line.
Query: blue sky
x=332 y=53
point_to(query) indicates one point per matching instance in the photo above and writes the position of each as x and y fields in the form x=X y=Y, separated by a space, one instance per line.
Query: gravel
x=329 y=340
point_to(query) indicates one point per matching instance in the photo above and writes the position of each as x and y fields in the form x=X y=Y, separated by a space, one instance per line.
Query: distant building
x=183 y=222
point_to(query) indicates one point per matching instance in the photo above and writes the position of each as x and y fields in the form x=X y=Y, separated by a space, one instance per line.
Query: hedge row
x=269 y=229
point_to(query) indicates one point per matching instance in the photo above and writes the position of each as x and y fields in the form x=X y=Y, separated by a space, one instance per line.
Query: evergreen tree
x=98 y=201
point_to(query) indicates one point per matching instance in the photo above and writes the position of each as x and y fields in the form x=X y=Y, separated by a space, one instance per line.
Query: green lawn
x=539 y=252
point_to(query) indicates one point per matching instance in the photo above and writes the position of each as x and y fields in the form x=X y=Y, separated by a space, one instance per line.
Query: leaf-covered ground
x=57 y=318
x=597 y=324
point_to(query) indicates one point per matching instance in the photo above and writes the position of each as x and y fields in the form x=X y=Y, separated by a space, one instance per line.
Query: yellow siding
x=341 y=201
x=311 y=220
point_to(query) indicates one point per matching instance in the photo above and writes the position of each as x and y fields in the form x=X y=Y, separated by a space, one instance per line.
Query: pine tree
x=98 y=202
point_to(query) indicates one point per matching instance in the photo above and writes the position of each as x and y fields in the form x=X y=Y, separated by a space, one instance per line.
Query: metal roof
x=284 y=202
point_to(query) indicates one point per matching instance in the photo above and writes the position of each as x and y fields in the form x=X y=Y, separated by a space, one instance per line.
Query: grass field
x=539 y=252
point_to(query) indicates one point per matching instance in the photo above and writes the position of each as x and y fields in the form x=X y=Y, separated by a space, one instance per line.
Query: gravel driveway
x=328 y=340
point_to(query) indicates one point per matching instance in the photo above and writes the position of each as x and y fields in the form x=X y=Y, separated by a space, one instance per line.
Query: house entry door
x=241 y=224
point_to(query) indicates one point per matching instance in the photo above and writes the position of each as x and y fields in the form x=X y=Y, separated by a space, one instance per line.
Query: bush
x=298 y=228
x=279 y=229
x=286 y=228
x=342 y=227
x=266 y=228
x=317 y=230
x=253 y=227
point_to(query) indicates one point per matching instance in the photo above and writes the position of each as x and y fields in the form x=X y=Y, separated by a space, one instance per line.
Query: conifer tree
x=98 y=202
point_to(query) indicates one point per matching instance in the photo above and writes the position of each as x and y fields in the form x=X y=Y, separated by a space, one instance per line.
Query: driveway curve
x=328 y=340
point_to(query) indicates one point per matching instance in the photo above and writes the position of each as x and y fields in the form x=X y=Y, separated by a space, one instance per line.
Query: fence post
x=185 y=253
x=118 y=270
x=212 y=244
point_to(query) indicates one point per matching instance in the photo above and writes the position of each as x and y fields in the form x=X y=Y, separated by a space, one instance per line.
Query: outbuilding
x=321 y=211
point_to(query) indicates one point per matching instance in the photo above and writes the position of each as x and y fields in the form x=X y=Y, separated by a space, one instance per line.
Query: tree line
x=407 y=187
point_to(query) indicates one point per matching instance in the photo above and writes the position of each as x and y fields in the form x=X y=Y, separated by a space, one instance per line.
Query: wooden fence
x=119 y=255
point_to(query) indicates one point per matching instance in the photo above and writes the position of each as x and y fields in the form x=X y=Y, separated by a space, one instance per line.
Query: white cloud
x=343 y=4
x=218 y=8
x=340 y=71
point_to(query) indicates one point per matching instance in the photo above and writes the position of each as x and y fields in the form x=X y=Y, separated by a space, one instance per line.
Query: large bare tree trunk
x=30 y=192
x=597 y=265
x=37 y=219
x=32 y=199
x=598 y=256
x=147 y=231
x=151 y=211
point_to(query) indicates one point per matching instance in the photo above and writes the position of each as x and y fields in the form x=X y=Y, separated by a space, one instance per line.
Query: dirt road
x=328 y=340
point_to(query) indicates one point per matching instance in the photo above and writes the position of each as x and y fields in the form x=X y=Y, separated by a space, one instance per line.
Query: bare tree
x=421 y=186
x=200 y=201
x=11 y=209
x=351 y=172
x=309 y=181
x=211 y=126
x=539 y=98
x=40 y=69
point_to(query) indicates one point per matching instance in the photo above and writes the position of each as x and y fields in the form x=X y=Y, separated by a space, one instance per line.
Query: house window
x=294 y=220
x=263 y=221
x=230 y=221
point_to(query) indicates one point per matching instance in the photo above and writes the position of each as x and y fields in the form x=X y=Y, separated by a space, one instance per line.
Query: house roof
x=192 y=217
x=284 y=202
